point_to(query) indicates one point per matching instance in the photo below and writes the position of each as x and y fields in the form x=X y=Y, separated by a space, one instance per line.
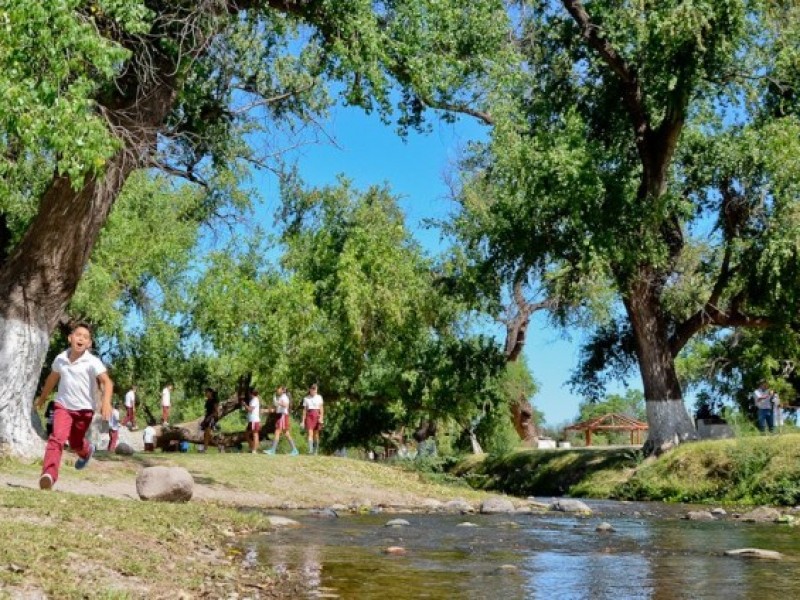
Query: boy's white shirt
x=166 y=397
x=130 y=398
x=77 y=385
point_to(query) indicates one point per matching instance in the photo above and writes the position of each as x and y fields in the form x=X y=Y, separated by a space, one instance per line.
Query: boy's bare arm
x=108 y=389
x=47 y=388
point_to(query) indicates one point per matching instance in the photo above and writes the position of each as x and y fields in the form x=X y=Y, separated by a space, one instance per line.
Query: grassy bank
x=75 y=546
x=92 y=538
x=747 y=471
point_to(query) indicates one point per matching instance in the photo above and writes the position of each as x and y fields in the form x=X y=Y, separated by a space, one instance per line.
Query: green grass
x=71 y=546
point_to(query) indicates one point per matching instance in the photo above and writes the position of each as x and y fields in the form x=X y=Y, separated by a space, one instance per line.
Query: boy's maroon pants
x=68 y=425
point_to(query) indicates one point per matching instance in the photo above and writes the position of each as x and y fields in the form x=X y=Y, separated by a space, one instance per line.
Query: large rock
x=165 y=484
x=124 y=449
x=762 y=514
x=569 y=505
x=495 y=505
x=431 y=504
x=458 y=506
x=397 y=523
x=276 y=521
x=699 y=515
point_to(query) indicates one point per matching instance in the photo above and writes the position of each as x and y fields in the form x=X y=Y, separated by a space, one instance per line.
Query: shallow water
x=652 y=554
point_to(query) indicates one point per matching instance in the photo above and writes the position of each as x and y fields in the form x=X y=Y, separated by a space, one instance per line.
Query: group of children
x=312 y=419
x=80 y=375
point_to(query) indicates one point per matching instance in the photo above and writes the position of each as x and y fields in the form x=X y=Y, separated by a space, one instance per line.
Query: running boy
x=78 y=373
x=281 y=402
x=313 y=417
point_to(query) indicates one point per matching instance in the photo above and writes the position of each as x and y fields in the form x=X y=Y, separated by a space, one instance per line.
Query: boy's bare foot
x=46 y=481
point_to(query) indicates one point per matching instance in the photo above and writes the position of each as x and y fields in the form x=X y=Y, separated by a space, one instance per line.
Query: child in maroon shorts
x=281 y=402
x=313 y=417
x=78 y=373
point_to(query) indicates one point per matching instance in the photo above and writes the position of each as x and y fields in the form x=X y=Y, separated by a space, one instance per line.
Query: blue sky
x=370 y=152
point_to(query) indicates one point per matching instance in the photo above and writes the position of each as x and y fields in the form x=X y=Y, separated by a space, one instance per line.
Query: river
x=653 y=553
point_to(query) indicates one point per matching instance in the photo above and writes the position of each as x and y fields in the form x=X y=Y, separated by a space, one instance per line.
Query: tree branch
x=632 y=89
x=517 y=324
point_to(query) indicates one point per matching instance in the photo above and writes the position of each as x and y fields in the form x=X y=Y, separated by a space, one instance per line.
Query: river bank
x=91 y=537
x=746 y=471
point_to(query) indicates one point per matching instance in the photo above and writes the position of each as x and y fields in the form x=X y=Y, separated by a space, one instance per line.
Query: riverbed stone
x=466 y=524
x=719 y=512
x=277 y=521
x=605 y=527
x=337 y=508
x=570 y=505
x=495 y=505
x=699 y=515
x=397 y=523
x=165 y=484
x=762 y=514
x=535 y=504
x=754 y=553
x=395 y=550
x=458 y=506
x=323 y=513
x=431 y=504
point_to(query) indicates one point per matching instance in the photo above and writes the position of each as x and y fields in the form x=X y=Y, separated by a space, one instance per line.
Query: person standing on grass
x=78 y=374
x=253 y=420
x=130 y=408
x=166 y=403
x=113 y=429
x=282 y=425
x=210 y=419
x=313 y=418
x=765 y=400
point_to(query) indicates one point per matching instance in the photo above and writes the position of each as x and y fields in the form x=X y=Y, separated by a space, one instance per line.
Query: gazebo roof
x=609 y=422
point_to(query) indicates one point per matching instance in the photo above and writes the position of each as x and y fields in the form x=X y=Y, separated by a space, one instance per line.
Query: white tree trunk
x=670 y=425
x=22 y=351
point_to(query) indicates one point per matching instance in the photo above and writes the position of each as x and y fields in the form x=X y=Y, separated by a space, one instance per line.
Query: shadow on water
x=548 y=556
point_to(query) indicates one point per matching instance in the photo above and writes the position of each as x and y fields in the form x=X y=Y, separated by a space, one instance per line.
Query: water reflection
x=532 y=556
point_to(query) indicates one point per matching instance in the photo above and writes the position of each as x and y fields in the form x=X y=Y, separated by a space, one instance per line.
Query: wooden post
x=588 y=436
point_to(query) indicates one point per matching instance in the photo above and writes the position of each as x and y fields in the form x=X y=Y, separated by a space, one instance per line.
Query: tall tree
x=653 y=144
x=93 y=91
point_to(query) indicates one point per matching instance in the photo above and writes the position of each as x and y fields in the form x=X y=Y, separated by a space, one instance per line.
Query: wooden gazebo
x=610 y=422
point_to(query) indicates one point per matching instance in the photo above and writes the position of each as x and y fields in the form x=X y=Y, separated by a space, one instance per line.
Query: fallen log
x=168 y=437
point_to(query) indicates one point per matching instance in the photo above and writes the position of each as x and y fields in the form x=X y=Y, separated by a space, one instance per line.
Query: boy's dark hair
x=76 y=324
